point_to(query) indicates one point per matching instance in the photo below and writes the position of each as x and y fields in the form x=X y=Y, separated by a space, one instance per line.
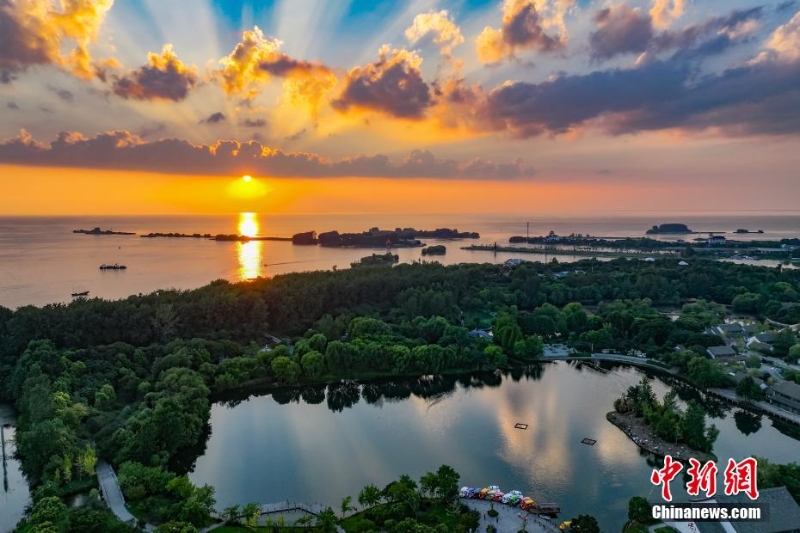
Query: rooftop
x=790 y=389
x=721 y=351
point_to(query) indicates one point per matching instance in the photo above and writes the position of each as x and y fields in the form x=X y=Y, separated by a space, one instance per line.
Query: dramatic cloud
x=436 y=25
x=392 y=85
x=123 y=150
x=64 y=94
x=621 y=30
x=665 y=11
x=165 y=77
x=524 y=28
x=37 y=32
x=256 y=59
x=214 y=118
x=762 y=98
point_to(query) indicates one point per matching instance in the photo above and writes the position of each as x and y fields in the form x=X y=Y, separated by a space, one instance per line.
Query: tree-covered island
x=131 y=382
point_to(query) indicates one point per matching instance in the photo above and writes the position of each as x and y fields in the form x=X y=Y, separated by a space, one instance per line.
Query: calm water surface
x=14 y=493
x=42 y=261
x=262 y=451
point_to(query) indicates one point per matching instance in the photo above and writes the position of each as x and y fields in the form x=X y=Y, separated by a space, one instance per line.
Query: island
x=378 y=238
x=377 y=260
x=435 y=250
x=98 y=231
x=669 y=229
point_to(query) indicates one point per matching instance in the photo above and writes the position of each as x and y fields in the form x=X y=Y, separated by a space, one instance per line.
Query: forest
x=132 y=381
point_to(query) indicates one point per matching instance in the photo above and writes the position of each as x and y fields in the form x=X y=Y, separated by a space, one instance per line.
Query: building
x=784 y=514
x=728 y=330
x=480 y=334
x=721 y=352
x=785 y=395
x=716 y=240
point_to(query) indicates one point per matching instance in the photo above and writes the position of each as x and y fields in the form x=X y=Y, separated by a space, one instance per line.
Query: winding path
x=112 y=494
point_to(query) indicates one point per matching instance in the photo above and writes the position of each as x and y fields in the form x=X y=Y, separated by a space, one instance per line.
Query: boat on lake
x=115 y=266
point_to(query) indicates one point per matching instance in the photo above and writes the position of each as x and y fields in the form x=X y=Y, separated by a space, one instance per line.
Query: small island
x=669 y=229
x=377 y=260
x=662 y=428
x=438 y=249
x=98 y=231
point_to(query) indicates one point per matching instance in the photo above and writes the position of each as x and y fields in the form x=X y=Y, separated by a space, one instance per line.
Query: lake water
x=42 y=261
x=14 y=493
x=266 y=451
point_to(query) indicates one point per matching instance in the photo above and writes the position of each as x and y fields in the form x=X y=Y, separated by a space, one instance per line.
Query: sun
x=247 y=178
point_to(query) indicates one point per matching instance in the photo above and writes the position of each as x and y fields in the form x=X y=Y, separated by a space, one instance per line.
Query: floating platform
x=520 y=425
x=590 y=442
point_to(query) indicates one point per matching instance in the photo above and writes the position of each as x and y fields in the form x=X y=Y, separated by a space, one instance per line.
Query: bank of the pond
x=645 y=437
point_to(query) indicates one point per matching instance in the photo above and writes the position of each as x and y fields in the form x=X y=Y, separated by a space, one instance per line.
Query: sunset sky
x=154 y=106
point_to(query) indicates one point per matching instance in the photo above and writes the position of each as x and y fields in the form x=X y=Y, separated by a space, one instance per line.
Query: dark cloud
x=13 y=106
x=622 y=30
x=522 y=29
x=125 y=151
x=760 y=98
x=165 y=77
x=392 y=85
x=253 y=123
x=783 y=6
x=214 y=118
x=297 y=135
x=64 y=94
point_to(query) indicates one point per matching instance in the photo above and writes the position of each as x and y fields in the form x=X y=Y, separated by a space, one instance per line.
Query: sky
x=445 y=106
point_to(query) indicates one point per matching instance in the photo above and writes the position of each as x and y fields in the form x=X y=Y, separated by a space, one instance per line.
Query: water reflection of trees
x=747 y=422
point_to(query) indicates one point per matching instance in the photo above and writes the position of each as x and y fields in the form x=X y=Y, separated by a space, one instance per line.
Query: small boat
x=115 y=266
x=80 y=294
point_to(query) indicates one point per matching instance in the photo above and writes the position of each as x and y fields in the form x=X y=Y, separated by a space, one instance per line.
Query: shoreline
x=644 y=437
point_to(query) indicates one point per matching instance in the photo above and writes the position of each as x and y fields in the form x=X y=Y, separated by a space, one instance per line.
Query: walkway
x=767 y=407
x=509 y=519
x=112 y=494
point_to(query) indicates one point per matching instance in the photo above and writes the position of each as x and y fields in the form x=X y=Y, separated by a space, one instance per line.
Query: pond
x=14 y=493
x=320 y=446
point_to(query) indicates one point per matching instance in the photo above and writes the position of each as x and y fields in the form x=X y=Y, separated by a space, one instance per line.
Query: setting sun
x=247 y=178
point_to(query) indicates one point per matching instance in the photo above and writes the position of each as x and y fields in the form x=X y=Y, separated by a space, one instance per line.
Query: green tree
x=346 y=505
x=585 y=524
x=748 y=389
x=639 y=510
x=176 y=527
x=88 y=460
x=313 y=364
x=447 y=483
x=326 y=521
x=286 y=370
x=369 y=496
x=793 y=355
x=753 y=361
x=232 y=514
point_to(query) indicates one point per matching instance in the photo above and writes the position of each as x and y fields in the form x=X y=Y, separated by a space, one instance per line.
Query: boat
x=512 y=498
x=80 y=294
x=565 y=524
x=115 y=266
x=527 y=504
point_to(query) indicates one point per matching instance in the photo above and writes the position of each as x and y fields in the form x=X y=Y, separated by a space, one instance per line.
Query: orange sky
x=31 y=191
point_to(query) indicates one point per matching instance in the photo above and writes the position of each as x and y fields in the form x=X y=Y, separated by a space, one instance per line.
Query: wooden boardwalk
x=315 y=509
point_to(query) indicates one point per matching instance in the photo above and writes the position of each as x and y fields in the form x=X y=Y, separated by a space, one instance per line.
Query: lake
x=277 y=447
x=14 y=493
x=42 y=261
